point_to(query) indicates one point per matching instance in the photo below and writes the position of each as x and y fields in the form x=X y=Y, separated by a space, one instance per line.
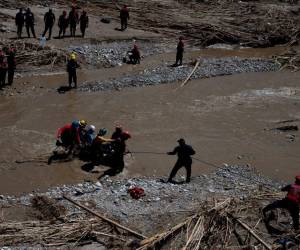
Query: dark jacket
x=73 y=17
x=49 y=18
x=72 y=66
x=11 y=61
x=84 y=21
x=63 y=21
x=293 y=193
x=180 y=47
x=29 y=18
x=20 y=19
x=124 y=13
x=183 y=152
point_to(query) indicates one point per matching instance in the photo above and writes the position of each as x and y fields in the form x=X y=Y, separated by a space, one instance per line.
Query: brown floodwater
x=226 y=119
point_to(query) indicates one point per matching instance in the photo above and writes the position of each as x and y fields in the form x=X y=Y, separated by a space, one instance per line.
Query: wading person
x=124 y=17
x=68 y=136
x=71 y=69
x=19 y=20
x=63 y=23
x=11 y=65
x=73 y=20
x=84 y=22
x=179 y=54
x=29 y=22
x=184 y=153
x=49 y=20
x=290 y=202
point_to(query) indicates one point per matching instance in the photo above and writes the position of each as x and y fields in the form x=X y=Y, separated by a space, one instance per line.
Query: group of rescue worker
x=80 y=135
x=72 y=20
x=7 y=65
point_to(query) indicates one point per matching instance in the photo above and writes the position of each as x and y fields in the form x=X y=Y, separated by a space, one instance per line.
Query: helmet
x=181 y=140
x=125 y=135
x=73 y=56
x=91 y=129
x=75 y=124
x=82 y=123
x=297 y=178
x=102 y=131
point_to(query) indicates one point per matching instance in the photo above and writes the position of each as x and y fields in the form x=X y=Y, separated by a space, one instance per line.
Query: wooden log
x=105 y=218
x=245 y=226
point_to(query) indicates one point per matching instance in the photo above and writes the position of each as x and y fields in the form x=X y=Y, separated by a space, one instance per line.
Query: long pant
x=178 y=165
x=72 y=29
x=72 y=78
x=83 y=28
x=2 y=77
x=48 y=27
x=28 y=28
x=179 y=57
x=19 y=31
x=123 y=23
x=291 y=206
x=10 y=75
x=134 y=60
x=62 y=30
x=117 y=165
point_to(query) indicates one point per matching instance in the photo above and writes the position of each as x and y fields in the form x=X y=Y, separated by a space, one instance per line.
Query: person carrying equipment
x=29 y=21
x=84 y=22
x=72 y=66
x=184 y=153
x=63 y=23
x=290 y=202
x=68 y=136
x=19 y=20
x=49 y=20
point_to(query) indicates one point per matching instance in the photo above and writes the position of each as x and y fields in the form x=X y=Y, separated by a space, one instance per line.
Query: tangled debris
x=33 y=55
x=289 y=60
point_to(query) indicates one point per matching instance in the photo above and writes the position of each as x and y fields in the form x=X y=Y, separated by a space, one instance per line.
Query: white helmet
x=91 y=129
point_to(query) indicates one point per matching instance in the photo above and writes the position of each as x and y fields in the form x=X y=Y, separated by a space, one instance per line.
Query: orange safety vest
x=294 y=193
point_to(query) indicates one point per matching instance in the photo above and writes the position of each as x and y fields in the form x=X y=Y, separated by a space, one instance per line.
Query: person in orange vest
x=290 y=202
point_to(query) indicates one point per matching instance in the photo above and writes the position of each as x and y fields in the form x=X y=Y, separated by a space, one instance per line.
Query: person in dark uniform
x=184 y=153
x=84 y=22
x=290 y=202
x=3 y=69
x=135 y=56
x=124 y=17
x=73 y=20
x=49 y=20
x=71 y=68
x=118 y=164
x=29 y=22
x=20 y=22
x=63 y=23
x=11 y=65
x=180 y=50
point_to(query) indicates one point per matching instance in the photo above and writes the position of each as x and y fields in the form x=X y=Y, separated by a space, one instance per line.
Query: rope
x=158 y=153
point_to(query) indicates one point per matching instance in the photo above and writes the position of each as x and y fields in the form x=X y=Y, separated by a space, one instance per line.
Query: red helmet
x=297 y=178
x=125 y=135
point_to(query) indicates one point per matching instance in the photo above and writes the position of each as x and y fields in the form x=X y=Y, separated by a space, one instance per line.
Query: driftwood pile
x=229 y=224
x=289 y=59
x=218 y=224
x=32 y=54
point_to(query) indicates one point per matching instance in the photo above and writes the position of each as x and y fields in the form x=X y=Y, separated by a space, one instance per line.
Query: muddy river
x=227 y=119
